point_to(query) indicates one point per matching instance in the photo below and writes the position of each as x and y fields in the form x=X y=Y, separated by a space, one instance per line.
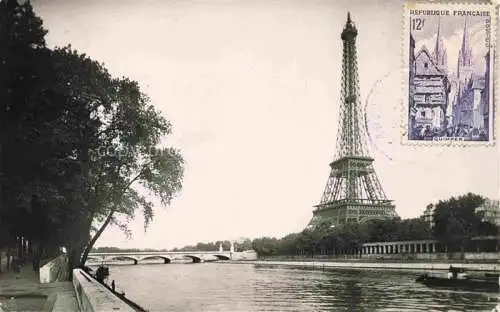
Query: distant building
x=489 y=211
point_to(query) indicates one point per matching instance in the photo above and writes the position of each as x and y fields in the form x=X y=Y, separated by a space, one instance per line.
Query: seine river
x=248 y=287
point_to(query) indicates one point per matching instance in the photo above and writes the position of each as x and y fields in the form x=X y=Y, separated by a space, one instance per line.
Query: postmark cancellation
x=449 y=77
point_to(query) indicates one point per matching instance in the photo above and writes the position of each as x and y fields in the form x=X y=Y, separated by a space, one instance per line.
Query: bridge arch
x=222 y=257
x=195 y=258
x=165 y=259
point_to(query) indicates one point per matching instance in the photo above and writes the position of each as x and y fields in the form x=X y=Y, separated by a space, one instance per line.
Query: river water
x=249 y=287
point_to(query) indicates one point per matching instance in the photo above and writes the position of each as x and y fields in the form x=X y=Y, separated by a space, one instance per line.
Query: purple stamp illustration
x=449 y=73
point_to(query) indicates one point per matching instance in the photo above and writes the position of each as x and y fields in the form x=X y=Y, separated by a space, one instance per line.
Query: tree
x=384 y=230
x=245 y=244
x=348 y=237
x=456 y=221
x=412 y=229
x=119 y=149
x=59 y=110
x=265 y=246
x=308 y=241
x=319 y=235
x=288 y=244
x=28 y=117
x=487 y=228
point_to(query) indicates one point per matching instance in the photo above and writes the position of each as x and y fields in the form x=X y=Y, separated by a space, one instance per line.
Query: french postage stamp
x=449 y=76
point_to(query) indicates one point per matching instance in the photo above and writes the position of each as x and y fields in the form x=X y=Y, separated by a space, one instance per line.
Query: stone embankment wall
x=470 y=256
x=484 y=257
x=244 y=255
x=55 y=270
x=400 y=266
x=94 y=297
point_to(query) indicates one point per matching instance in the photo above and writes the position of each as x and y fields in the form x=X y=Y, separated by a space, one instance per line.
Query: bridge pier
x=135 y=262
x=166 y=260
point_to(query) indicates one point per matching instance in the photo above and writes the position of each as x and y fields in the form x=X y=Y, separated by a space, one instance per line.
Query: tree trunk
x=8 y=259
x=30 y=249
x=91 y=243
x=74 y=253
x=20 y=248
x=25 y=249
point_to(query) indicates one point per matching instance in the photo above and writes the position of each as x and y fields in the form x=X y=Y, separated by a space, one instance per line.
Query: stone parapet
x=497 y=309
x=411 y=266
x=94 y=297
x=54 y=270
x=244 y=255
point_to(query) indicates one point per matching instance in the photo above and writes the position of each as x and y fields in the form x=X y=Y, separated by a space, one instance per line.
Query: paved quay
x=23 y=292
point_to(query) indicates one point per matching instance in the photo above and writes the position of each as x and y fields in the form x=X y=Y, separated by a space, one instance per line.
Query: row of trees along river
x=74 y=143
x=455 y=224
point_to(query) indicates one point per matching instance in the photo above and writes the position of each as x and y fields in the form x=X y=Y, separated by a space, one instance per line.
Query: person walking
x=16 y=267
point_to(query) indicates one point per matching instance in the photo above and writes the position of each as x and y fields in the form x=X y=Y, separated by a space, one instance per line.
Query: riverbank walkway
x=23 y=292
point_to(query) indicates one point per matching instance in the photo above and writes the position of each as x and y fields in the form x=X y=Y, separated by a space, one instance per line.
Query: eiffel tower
x=353 y=192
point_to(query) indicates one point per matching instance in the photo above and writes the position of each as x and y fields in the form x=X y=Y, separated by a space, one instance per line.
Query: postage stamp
x=449 y=74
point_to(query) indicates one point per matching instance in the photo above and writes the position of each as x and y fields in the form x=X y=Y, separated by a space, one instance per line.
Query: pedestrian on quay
x=16 y=267
x=36 y=261
x=9 y=260
x=113 y=285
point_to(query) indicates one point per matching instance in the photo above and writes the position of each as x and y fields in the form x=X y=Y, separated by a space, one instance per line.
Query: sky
x=252 y=89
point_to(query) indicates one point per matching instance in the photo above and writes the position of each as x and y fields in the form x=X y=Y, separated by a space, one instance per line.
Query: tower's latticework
x=353 y=192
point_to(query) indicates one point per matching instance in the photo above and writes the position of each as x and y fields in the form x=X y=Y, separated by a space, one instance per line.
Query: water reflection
x=237 y=287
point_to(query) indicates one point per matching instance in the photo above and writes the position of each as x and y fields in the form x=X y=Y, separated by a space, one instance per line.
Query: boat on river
x=457 y=279
x=492 y=275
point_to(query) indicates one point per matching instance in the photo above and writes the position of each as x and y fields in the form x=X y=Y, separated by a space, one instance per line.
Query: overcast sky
x=252 y=89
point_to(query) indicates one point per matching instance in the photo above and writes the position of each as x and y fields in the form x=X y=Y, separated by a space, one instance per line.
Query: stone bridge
x=167 y=256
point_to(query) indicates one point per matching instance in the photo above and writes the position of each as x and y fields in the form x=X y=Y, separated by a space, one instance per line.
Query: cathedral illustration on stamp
x=449 y=82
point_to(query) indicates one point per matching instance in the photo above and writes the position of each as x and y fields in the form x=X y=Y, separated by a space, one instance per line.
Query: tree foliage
x=456 y=224
x=325 y=239
x=78 y=147
x=28 y=115
x=456 y=221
